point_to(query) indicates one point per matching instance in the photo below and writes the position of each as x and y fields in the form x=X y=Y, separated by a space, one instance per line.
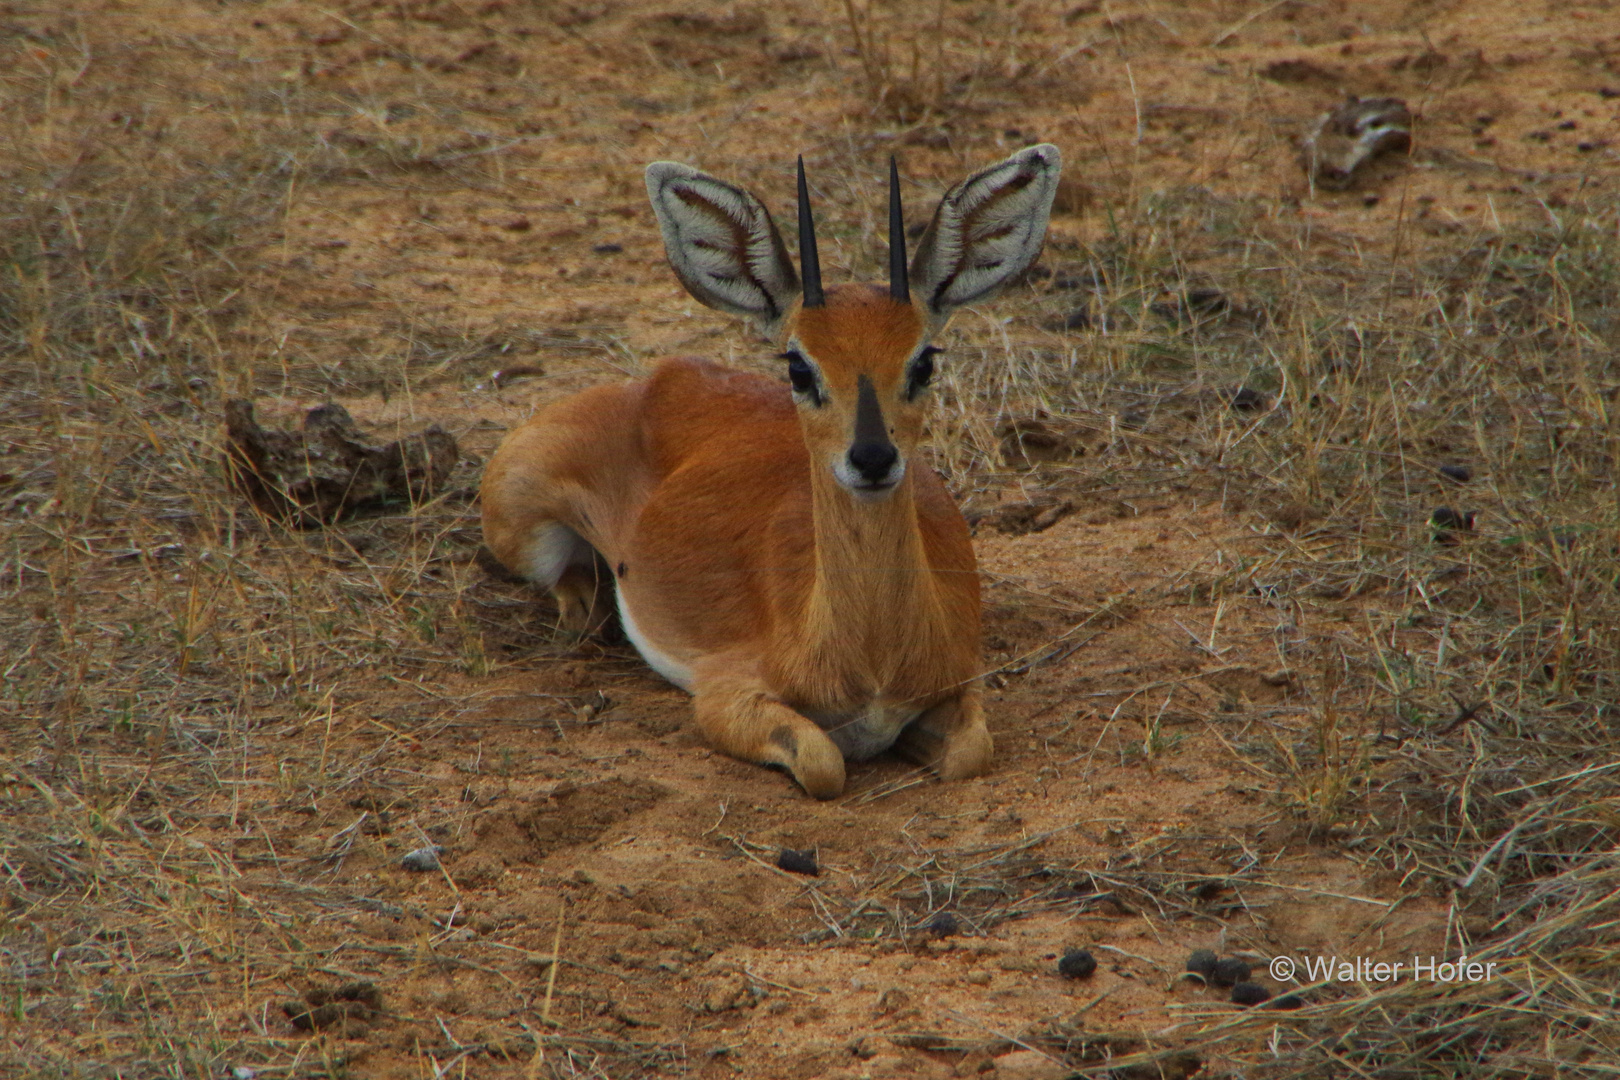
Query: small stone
x=798 y=862
x=892 y=1000
x=1459 y=473
x=1202 y=963
x=1077 y=964
x=1248 y=993
x=1030 y=1065
x=423 y=860
x=1229 y=972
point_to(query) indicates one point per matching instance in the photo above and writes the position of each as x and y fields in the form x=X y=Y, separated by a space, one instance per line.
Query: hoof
x=819 y=768
x=968 y=754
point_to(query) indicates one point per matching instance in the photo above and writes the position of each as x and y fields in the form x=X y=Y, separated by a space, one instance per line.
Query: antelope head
x=860 y=358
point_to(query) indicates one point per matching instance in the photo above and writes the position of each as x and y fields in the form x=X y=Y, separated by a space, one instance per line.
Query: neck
x=871 y=577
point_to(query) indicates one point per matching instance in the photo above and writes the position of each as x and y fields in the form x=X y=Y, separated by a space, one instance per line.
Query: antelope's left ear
x=988 y=229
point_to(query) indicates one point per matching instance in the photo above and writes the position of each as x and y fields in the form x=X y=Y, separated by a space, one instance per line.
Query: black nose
x=873 y=460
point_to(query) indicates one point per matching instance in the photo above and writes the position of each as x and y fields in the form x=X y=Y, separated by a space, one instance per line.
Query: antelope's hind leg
x=950 y=737
x=584 y=595
x=742 y=719
x=558 y=559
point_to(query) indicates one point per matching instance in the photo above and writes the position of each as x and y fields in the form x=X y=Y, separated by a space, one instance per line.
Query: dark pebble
x=1077 y=964
x=1460 y=473
x=607 y=249
x=943 y=925
x=798 y=862
x=1230 y=971
x=1202 y=962
x=1248 y=993
x=1288 y=1001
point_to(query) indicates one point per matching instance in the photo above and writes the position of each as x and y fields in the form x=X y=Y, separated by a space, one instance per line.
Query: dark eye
x=802 y=375
x=922 y=369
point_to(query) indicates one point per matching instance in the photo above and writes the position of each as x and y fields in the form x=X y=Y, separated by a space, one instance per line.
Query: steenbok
x=778 y=550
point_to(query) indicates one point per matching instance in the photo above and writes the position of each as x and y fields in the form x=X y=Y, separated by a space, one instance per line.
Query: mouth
x=873 y=492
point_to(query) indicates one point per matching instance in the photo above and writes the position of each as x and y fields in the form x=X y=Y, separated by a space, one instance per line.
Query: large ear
x=988 y=228
x=723 y=245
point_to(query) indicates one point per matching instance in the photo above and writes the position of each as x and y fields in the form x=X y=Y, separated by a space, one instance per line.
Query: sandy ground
x=580 y=814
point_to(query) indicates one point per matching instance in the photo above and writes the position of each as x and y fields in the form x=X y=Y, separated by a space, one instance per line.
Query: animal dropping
x=1202 y=963
x=1077 y=964
x=798 y=862
x=797 y=568
x=1250 y=994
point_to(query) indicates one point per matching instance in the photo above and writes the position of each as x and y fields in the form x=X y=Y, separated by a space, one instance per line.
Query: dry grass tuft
x=1458 y=736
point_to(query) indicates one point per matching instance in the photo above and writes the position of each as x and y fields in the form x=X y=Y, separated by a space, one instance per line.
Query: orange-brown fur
x=781 y=553
x=759 y=571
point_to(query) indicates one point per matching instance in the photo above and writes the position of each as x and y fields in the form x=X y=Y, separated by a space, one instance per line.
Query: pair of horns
x=810 y=259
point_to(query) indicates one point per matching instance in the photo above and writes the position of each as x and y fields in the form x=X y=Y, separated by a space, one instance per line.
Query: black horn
x=809 y=261
x=899 y=285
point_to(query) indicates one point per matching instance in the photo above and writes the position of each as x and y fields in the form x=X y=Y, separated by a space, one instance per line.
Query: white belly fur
x=868 y=733
x=857 y=737
x=661 y=662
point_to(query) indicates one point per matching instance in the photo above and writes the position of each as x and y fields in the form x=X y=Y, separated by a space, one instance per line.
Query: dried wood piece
x=1347 y=138
x=329 y=469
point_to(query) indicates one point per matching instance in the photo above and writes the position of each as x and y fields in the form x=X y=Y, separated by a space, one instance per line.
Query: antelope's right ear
x=723 y=245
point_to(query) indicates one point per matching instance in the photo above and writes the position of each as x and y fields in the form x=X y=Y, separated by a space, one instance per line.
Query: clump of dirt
x=569 y=815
